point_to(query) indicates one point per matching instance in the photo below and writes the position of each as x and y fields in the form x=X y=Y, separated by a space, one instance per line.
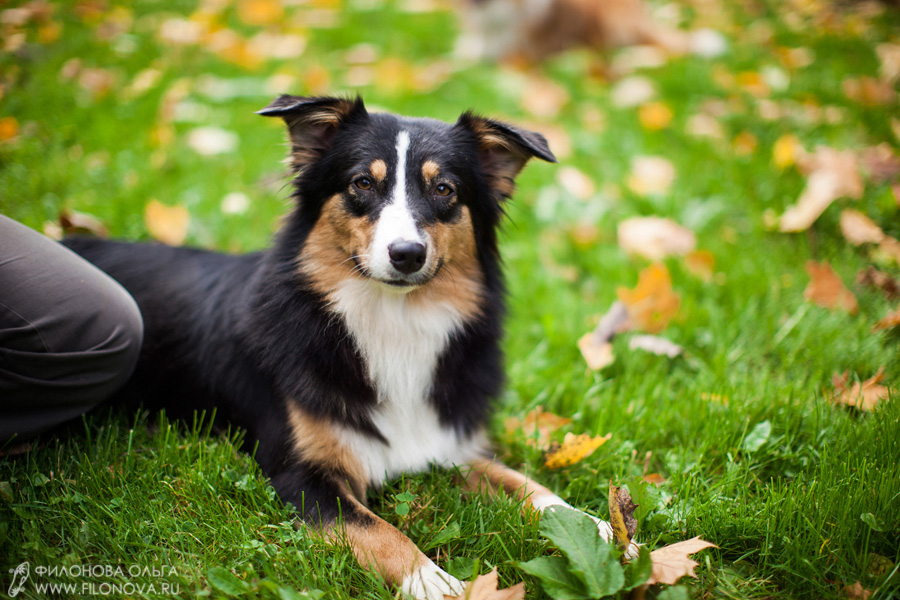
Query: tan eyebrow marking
x=430 y=170
x=378 y=168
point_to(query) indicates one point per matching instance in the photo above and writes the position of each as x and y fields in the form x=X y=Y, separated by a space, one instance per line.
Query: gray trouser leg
x=69 y=335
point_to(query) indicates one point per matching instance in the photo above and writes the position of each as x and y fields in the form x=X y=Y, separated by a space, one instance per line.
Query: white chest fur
x=401 y=344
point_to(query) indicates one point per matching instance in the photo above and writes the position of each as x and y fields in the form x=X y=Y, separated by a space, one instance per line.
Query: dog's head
x=404 y=203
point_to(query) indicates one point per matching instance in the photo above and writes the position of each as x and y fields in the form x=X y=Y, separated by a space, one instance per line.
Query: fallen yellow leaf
x=544 y=98
x=744 y=143
x=671 y=563
x=573 y=449
x=485 y=588
x=872 y=277
x=654 y=478
x=827 y=290
x=652 y=303
x=655 y=115
x=260 y=12
x=597 y=354
x=168 y=224
x=784 y=152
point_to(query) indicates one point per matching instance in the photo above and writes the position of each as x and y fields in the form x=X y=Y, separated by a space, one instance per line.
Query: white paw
x=606 y=532
x=430 y=582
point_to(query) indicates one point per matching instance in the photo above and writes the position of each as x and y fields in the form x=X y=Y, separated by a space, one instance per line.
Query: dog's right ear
x=312 y=122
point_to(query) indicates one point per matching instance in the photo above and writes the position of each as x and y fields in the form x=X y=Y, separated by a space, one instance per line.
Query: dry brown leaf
x=652 y=303
x=168 y=224
x=576 y=182
x=859 y=229
x=597 y=354
x=485 y=588
x=832 y=174
x=671 y=563
x=889 y=250
x=655 y=478
x=538 y=426
x=595 y=346
x=826 y=288
x=856 y=592
x=872 y=277
x=544 y=98
x=655 y=237
x=890 y=320
x=621 y=515
x=862 y=395
x=76 y=223
x=655 y=344
x=868 y=91
x=651 y=175
x=632 y=91
x=880 y=163
x=744 y=143
x=573 y=449
x=700 y=263
x=655 y=115
x=703 y=125
x=889 y=55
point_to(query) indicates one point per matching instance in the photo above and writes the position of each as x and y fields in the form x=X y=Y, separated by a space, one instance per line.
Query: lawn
x=106 y=107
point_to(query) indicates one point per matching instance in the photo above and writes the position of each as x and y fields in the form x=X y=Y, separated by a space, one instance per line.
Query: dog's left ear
x=504 y=149
x=313 y=122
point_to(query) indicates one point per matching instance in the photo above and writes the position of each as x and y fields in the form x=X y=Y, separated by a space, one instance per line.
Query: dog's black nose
x=407 y=257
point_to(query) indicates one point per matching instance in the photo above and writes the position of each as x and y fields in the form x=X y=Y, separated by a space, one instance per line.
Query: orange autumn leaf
x=862 y=395
x=890 y=320
x=671 y=563
x=827 y=290
x=538 y=426
x=654 y=478
x=744 y=143
x=9 y=128
x=484 y=587
x=260 y=12
x=168 y=224
x=879 y=280
x=573 y=449
x=856 y=592
x=655 y=115
x=701 y=264
x=652 y=303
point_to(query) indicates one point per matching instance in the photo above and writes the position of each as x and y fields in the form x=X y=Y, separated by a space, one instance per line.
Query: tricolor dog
x=365 y=342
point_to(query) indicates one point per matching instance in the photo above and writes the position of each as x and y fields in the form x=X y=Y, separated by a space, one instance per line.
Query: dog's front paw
x=430 y=582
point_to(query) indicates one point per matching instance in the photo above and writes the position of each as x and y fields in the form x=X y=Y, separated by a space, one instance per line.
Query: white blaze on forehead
x=395 y=222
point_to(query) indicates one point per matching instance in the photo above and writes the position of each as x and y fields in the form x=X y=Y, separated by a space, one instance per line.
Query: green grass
x=786 y=515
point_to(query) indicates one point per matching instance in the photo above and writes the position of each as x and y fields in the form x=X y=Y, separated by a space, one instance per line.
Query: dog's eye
x=443 y=190
x=363 y=183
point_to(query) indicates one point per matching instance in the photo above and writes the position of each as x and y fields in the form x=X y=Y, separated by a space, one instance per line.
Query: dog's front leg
x=381 y=547
x=491 y=475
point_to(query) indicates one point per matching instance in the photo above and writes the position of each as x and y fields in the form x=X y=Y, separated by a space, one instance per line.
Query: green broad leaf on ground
x=676 y=592
x=590 y=557
x=555 y=577
x=227 y=582
x=757 y=437
x=447 y=534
